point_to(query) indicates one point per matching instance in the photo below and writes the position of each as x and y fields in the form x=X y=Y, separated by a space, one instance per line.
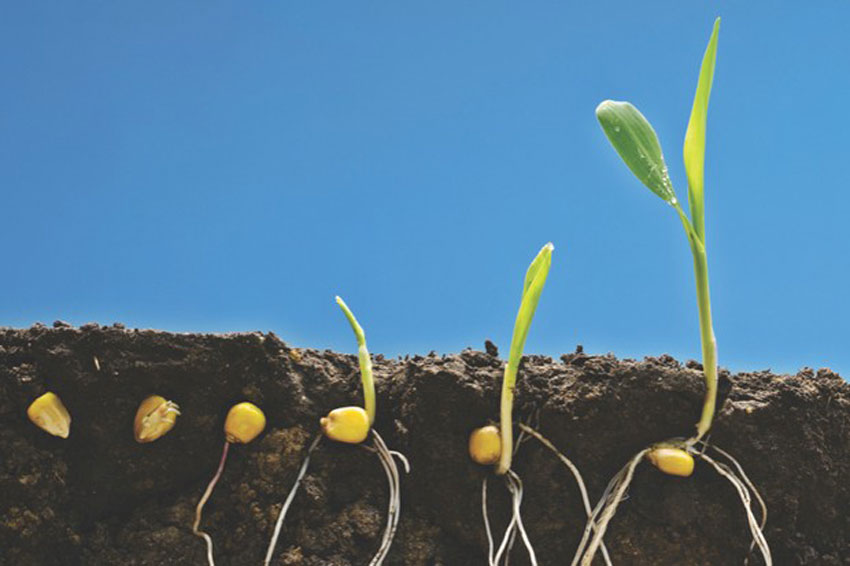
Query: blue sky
x=216 y=166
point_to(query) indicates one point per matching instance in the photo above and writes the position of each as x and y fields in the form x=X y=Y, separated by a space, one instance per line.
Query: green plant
x=637 y=144
x=352 y=425
x=535 y=279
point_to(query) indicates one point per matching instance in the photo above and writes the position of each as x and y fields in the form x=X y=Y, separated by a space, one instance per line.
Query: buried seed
x=49 y=414
x=155 y=417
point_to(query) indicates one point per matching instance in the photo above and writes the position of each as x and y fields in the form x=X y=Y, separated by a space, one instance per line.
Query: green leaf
x=635 y=140
x=535 y=278
x=694 y=151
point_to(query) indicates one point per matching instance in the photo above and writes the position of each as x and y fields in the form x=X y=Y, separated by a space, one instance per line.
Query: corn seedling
x=245 y=421
x=49 y=414
x=352 y=425
x=491 y=445
x=637 y=144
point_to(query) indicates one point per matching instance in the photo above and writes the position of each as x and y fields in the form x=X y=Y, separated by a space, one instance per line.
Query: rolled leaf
x=694 y=151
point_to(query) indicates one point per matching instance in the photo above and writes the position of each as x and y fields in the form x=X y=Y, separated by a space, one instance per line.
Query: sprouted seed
x=154 y=418
x=245 y=421
x=637 y=144
x=352 y=425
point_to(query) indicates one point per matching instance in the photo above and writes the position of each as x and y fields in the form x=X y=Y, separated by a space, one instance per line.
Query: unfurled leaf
x=635 y=140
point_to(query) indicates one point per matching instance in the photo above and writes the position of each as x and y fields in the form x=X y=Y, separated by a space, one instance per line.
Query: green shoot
x=636 y=142
x=365 y=361
x=532 y=288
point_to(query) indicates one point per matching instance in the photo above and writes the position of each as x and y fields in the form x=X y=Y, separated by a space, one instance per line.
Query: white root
x=386 y=456
x=576 y=474
x=754 y=491
x=517 y=492
x=288 y=502
x=614 y=494
x=615 y=491
x=744 y=493
x=394 y=508
x=515 y=488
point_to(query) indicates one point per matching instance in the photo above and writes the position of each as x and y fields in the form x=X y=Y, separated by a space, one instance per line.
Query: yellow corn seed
x=485 y=445
x=245 y=421
x=346 y=424
x=50 y=415
x=673 y=461
x=155 y=417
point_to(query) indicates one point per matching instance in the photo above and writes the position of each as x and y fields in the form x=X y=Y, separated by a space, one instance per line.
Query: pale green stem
x=506 y=418
x=706 y=329
x=364 y=359
x=535 y=279
x=709 y=344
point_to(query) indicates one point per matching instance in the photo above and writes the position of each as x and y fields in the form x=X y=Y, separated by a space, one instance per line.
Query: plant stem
x=532 y=288
x=364 y=359
x=709 y=343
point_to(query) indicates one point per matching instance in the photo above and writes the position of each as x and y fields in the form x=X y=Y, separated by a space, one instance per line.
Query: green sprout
x=353 y=425
x=364 y=359
x=535 y=278
x=636 y=142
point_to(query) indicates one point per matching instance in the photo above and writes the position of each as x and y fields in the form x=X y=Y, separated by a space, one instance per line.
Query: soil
x=100 y=498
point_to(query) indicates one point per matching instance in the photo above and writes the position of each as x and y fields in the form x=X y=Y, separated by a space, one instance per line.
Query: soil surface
x=100 y=498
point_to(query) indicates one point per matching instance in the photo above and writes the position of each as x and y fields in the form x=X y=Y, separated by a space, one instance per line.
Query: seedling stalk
x=535 y=279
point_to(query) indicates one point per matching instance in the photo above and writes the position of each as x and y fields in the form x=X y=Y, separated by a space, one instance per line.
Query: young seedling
x=637 y=144
x=492 y=444
x=352 y=425
x=245 y=421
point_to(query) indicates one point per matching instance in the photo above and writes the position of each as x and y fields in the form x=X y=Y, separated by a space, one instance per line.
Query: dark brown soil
x=101 y=498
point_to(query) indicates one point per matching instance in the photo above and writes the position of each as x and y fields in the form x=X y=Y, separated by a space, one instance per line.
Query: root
x=754 y=491
x=605 y=510
x=743 y=486
x=288 y=502
x=615 y=492
x=200 y=508
x=386 y=456
x=576 y=474
x=515 y=488
x=394 y=509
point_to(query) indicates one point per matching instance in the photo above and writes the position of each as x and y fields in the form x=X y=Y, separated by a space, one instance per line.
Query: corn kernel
x=49 y=414
x=485 y=445
x=245 y=421
x=155 y=417
x=673 y=461
x=346 y=424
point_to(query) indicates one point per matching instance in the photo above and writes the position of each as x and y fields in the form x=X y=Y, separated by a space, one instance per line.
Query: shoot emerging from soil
x=491 y=445
x=535 y=279
x=637 y=144
x=352 y=425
